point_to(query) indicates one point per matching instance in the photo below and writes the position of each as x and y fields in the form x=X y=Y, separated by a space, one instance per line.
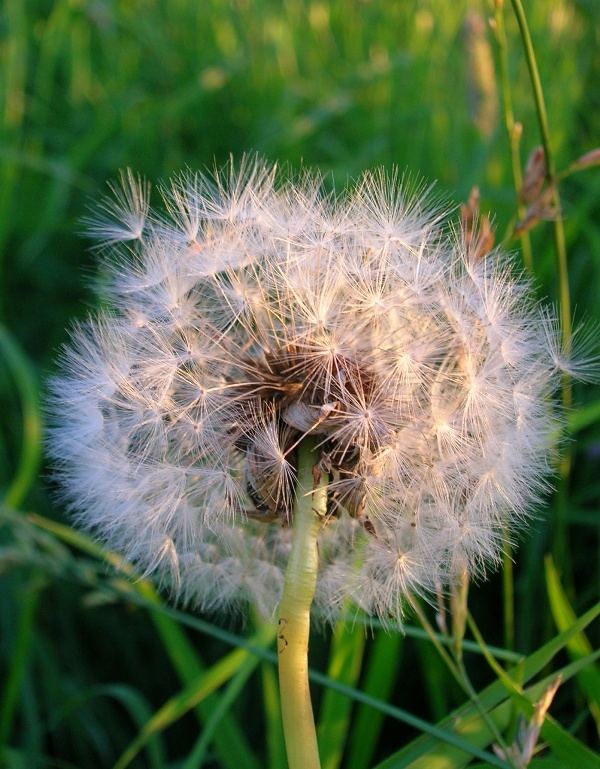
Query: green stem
x=559 y=232
x=561 y=548
x=459 y=673
x=508 y=593
x=511 y=129
x=294 y=613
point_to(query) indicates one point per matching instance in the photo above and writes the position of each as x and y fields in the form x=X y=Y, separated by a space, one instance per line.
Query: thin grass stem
x=508 y=594
x=459 y=673
x=559 y=231
x=561 y=547
x=513 y=134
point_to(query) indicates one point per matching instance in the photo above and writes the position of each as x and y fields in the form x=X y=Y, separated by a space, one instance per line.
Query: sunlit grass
x=87 y=88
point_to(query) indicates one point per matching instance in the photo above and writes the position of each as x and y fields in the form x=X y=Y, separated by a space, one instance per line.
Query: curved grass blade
x=491 y=696
x=25 y=382
x=583 y=417
x=138 y=708
x=578 y=646
x=428 y=753
x=196 y=758
x=230 y=743
x=207 y=683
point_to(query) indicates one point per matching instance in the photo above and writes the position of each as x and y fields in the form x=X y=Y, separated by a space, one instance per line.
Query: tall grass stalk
x=513 y=129
x=558 y=225
x=561 y=541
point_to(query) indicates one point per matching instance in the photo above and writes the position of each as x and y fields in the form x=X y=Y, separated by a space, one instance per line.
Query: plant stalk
x=294 y=612
x=561 y=547
x=559 y=233
x=514 y=137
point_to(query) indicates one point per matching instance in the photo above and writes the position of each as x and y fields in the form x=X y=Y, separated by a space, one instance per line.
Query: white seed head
x=253 y=311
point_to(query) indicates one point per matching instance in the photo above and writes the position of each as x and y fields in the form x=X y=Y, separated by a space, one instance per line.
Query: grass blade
x=345 y=661
x=229 y=696
x=421 y=753
x=19 y=658
x=274 y=727
x=29 y=460
x=379 y=680
x=472 y=728
x=207 y=683
x=578 y=646
x=139 y=710
x=230 y=742
x=583 y=417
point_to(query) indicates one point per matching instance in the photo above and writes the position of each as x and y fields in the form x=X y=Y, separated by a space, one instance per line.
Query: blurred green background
x=88 y=87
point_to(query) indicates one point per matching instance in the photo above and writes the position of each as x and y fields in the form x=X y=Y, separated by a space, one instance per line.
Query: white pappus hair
x=254 y=310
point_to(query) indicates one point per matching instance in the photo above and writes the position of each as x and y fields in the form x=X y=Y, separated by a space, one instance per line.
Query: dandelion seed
x=251 y=316
x=122 y=217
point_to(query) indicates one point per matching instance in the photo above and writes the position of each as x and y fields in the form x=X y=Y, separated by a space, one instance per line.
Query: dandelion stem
x=294 y=613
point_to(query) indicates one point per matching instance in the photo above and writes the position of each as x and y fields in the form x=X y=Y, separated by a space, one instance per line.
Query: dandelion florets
x=256 y=311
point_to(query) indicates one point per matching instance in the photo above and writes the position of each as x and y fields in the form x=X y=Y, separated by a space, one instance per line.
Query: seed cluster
x=299 y=399
x=254 y=311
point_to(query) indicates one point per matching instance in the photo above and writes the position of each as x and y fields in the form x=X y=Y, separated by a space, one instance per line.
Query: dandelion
x=281 y=367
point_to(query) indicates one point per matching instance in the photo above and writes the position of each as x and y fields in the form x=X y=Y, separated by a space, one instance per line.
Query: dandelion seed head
x=252 y=311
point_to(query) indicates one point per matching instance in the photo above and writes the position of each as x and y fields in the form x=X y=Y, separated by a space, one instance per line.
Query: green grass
x=96 y=669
